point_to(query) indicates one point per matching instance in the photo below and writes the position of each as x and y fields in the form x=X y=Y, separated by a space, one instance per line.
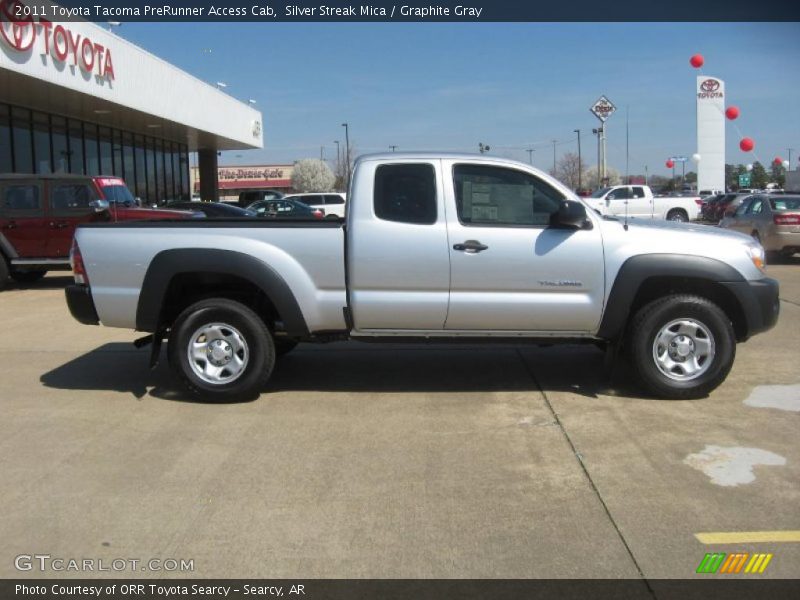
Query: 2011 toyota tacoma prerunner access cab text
x=433 y=246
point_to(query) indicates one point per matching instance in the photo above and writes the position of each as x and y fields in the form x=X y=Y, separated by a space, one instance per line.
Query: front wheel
x=682 y=346
x=221 y=350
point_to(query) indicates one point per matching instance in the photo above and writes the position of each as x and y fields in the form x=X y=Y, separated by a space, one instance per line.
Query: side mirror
x=99 y=206
x=570 y=215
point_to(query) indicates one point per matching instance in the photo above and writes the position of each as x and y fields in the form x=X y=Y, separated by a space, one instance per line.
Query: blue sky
x=509 y=85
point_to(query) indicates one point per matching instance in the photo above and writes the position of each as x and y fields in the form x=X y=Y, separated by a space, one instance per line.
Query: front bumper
x=81 y=305
x=760 y=303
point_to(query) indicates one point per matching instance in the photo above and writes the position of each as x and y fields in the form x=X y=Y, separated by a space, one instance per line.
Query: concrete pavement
x=386 y=461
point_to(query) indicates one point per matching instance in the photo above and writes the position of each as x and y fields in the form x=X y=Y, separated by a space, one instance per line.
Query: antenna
x=625 y=223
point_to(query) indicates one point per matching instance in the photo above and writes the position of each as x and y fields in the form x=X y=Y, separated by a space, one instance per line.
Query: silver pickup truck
x=433 y=246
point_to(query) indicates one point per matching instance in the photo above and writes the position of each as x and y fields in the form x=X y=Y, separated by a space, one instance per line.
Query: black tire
x=649 y=322
x=260 y=350
x=27 y=276
x=284 y=346
x=3 y=272
x=678 y=215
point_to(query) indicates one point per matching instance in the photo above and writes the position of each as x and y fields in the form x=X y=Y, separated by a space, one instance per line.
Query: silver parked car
x=773 y=220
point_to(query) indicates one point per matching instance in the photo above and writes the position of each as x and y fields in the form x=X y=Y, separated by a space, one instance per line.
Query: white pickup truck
x=434 y=247
x=638 y=202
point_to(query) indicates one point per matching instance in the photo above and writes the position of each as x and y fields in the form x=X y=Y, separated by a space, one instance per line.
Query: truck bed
x=308 y=255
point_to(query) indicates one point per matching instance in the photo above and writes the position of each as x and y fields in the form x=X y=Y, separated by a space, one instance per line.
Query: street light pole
x=393 y=148
x=580 y=163
x=597 y=133
x=347 y=152
x=530 y=155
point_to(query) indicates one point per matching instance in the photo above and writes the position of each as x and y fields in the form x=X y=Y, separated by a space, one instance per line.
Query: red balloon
x=697 y=61
x=670 y=164
x=732 y=112
x=747 y=144
x=778 y=160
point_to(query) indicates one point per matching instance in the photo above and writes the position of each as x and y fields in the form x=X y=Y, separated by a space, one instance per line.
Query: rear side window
x=406 y=193
x=638 y=192
x=19 y=199
x=72 y=197
x=307 y=200
x=334 y=199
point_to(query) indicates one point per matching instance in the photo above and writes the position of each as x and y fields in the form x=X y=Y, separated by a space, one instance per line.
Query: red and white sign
x=55 y=40
x=603 y=108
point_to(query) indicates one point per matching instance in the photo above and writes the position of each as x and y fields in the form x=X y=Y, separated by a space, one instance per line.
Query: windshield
x=119 y=194
x=600 y=193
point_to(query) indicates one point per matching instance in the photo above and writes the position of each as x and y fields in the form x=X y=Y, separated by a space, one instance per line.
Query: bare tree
x=568 y=169
x=312 y=175
x=340 y=169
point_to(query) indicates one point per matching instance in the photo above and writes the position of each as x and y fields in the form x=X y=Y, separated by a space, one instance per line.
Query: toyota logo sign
x=710 y=88
x=20 y=33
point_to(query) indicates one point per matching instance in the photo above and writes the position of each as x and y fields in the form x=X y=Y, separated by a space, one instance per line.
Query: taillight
x=318 y=214
x=76 y=261
x=786 y=219
x=698 y=202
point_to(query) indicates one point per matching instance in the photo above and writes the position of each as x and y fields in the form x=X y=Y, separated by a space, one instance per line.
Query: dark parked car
x=39 y=214
x=248 y=197
x=213 y=209
x=709 y=208
x=285 y=209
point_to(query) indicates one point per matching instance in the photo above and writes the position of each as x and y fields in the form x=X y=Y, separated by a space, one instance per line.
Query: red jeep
x=39 y=213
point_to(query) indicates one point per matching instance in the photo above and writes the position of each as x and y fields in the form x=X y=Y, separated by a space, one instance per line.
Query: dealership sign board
x=710 y=99
x=22 y=33
x=603 y=108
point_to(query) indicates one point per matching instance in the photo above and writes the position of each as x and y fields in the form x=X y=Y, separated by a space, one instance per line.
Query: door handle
x=11 y=225
x=471 y=247
x=59 y=225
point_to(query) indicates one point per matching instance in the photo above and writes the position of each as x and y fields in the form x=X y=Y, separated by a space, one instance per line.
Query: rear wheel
x=221 y=350
x=27 y=276
x=678 y=214
x=682 y=346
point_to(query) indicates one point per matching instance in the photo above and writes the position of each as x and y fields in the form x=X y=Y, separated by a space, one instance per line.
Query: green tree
x=691 y=177
x=778 y=175
x=758 y=176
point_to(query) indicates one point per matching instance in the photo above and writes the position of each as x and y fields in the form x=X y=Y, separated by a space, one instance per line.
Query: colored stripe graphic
x=734 y=563
x=758 y=563
x=730 y=564
x=711 y=562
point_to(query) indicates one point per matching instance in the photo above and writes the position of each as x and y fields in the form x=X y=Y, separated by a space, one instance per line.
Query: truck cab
x=621 y=200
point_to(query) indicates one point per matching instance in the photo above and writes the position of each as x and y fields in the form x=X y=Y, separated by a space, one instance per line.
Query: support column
x=207 y=171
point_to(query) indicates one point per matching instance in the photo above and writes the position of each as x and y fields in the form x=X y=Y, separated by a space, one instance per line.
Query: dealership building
x=76 y=98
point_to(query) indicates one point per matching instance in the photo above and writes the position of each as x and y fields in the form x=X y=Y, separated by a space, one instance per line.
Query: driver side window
x=497 y=196
x=620 y=194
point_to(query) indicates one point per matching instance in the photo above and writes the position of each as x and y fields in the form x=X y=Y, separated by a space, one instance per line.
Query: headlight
x=756 y=254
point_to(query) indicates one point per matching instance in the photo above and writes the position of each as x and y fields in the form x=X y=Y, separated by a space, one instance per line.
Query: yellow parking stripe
x=746 y=537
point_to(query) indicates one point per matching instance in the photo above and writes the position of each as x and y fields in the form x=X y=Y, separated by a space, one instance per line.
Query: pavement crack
x=789 y=301
x=579 y=457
